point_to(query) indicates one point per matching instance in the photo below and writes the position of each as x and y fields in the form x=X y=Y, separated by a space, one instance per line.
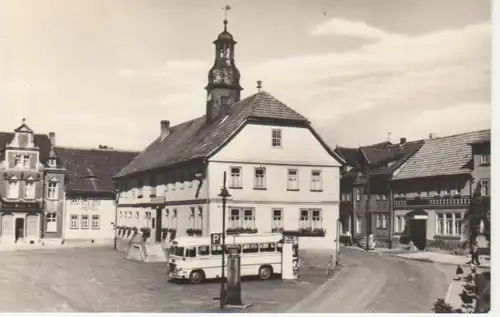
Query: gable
x=299 y=145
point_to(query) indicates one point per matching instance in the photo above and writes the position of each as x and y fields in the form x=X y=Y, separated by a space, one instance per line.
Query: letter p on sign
x=215 y=238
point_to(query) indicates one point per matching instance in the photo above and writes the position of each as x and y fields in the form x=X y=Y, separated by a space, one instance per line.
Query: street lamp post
x=224 y=194
x=368 y=222
x=115 y=225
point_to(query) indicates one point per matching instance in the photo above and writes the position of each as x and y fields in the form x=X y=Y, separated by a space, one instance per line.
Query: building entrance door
x=19 y=228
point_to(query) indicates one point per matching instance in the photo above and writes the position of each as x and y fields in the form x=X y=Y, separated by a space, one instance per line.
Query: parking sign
x=215 y=238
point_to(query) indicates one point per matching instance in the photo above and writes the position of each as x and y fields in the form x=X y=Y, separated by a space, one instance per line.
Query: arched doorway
x=19 y=230
x=417 y=225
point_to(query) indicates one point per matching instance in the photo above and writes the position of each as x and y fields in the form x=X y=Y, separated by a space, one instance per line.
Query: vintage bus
x=195 y=259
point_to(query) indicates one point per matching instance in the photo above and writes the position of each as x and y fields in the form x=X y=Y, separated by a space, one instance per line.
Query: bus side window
x=216 y=250
x=267 y=247
x=280 y=247
x=250 y=248
x=204 y=250
x=232 y=246
x=191 y=252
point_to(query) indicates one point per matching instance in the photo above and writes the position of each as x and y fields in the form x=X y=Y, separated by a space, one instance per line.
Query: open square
x=101 y=280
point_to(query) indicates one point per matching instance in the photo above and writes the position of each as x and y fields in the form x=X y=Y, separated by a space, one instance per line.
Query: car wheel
x=265 y=272
x=196 y=277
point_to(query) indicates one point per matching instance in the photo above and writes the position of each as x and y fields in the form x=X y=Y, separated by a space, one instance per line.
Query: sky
x=106 y=72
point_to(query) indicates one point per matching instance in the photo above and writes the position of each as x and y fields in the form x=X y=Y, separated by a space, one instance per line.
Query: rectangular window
x=192 y=217
x=75 y=201
x=248 y=219
x=384 y=197
x=234 y=220
x=316 y=219
x=26 y=161
x=277 y=219
x=358 y=194
x=293 y=179
x=310 y=219
x=316 y=180
x=485 y=187
x=53 y=191
x=379 y=220
x=51 y=220
x=13 y=189
x=96 y=222
x=276 y=138
x=29 y=190
x=440 y=224
x=260 y=178
x=236 y=177
x=384 y=221
x=199 y=219
x=458 y=224
x=173 y=221
x=359 y=223
x=449 y=224
x=18 y=161
x=484 y=159
x=84 y=221
x=267 y=247
x=74 y=222
x=250 y=248
x=204 y=250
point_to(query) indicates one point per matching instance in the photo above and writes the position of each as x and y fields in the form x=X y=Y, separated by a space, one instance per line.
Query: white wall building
x=280 y=174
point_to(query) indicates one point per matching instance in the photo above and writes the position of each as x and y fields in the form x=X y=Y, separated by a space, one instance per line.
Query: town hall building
x=280 y=174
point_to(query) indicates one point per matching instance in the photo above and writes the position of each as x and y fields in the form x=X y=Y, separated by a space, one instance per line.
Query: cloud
x=337 y=26
x=350 y=94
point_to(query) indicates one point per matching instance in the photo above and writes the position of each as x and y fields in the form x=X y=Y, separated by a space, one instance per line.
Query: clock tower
x=223 y=87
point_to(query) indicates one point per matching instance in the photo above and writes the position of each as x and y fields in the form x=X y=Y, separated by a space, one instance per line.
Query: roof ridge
x=458 y=134
x=95 y=149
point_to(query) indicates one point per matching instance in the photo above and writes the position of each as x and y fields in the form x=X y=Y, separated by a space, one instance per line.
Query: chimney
x=432 y=136
x=389 y=136
x=402 y=141
x=52 y=137
x=165 y=127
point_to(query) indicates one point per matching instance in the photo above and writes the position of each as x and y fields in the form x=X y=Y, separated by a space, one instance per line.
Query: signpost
x=224 y=194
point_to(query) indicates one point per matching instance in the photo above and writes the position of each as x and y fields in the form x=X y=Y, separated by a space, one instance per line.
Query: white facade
x=89 y=218
x=287 y=180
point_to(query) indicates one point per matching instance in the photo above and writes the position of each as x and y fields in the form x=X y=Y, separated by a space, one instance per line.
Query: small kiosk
x=290 y=263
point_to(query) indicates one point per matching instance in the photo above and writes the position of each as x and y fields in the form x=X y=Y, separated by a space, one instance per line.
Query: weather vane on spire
x=226 y=9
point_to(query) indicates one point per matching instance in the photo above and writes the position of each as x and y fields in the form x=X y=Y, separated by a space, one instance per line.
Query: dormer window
x=52 y=162
x=484 y=159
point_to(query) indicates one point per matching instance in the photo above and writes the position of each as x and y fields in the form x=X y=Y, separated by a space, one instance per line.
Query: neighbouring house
x=31 y=188
x=433 y=189
x=89 y=192
x=366 y=186
x=280 y=173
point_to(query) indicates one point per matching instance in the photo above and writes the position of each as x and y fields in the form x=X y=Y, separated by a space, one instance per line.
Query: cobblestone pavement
x=379 y=284
x=101 y=280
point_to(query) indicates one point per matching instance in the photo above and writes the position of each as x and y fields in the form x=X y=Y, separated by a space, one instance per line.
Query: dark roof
x=92 y=170
x=197 y=139
x=387 y=160
x=41 y=140
x=483 y=139
x=353 y=156
x=448 y=155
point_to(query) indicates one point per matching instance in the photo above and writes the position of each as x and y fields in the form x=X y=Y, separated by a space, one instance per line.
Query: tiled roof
x=352 y=156
x=387 y=160
x=197 y=139
x=92 y=170
x=41 y=140
x=449 y=155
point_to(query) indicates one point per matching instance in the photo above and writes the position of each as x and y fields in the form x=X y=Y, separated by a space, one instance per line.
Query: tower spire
x=226 y=9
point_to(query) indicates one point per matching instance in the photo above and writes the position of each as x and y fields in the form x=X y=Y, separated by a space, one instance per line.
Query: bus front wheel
x=196 y=277
x=265 y=272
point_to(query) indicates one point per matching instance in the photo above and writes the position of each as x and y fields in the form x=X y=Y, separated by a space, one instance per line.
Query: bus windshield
x=177 y=251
